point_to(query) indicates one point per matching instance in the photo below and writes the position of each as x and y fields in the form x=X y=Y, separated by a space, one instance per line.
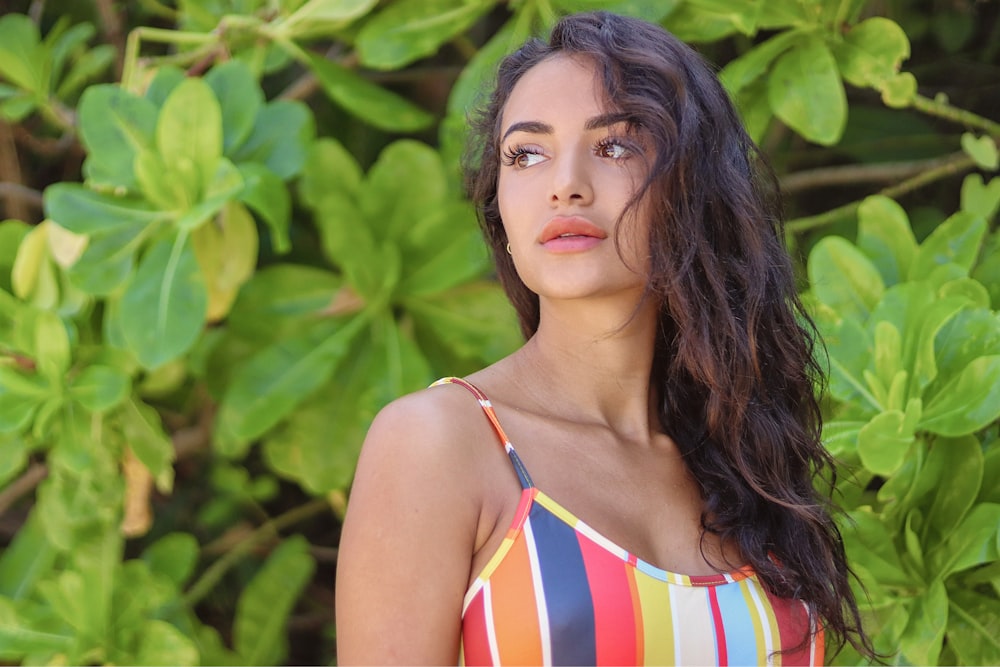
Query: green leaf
x=956 y=240
x=970 y=543
x=843 y=278
x=321 y=17
x=981 y=149
x=274 y=381
x=872 y=52
x=405 y=185
x=51 y=345
x=161 y=643
x=12 y=232
x=444 y=253
x=115 y=126
x=164 y=307
x=89 y=66
x=281 y=299
x=240 y=99
x=28 y=558
x=921 y=641
x=18 y=638
x=146 y=438
x=83 y=211
x=266 y=194
x=961 y=459
x=866 y=543
x=885 y=236
x=100 y=388
x=329 y=167
x=23 y=60
x=174 y=556
x=107 y=262
x=350 y=245
x=751 y=66
x=263 y=608
x=987 y=270
x=366 y=100
x=899 y=91
x=806 y=93
x=974 y=627
x=979 y=199
x=189 y=134
x=280 y=139
x=883 y=442
x=411 y=29
x=465 y=327
x=968 y=402
x=225 y=186
x=226 y=249
x=840 y=438
x=378 y=368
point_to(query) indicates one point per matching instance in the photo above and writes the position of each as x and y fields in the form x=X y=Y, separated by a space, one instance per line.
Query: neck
x=598 y=356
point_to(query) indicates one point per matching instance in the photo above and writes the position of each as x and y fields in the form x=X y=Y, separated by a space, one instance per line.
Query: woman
x=662 y=407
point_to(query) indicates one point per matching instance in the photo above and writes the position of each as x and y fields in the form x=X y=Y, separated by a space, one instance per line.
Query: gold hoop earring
x=508 y=250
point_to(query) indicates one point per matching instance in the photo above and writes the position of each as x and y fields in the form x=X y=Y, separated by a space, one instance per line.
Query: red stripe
x=614 y=617
x=793 y=626
x=475 y=643
x=720 y=628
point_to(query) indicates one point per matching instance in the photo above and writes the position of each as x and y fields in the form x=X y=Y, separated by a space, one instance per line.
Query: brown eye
x=612 y=149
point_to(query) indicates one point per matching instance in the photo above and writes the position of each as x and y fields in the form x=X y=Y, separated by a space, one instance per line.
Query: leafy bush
x=231 y=275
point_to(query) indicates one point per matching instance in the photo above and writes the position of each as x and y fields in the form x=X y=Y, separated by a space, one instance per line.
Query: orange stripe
x=514 y=616
x=633 y=591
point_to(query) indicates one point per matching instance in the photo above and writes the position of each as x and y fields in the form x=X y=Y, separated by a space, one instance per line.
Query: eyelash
x=511 y=155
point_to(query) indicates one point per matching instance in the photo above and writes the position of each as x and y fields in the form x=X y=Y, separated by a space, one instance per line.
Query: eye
x=612 y=148
x=521 y=157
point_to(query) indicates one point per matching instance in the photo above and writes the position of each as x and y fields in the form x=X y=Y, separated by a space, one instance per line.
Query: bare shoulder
x=436 y=425
x=411 y=527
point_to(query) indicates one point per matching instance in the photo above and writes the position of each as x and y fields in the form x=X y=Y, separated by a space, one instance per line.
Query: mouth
x=569 y=227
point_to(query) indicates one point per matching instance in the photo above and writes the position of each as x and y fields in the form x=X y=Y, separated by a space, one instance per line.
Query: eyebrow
x=538 y=127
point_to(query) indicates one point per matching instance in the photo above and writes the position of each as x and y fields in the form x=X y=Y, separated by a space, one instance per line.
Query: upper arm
x=408 y=539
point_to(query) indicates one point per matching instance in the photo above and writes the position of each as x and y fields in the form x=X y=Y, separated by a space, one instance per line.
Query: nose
x=571 y=182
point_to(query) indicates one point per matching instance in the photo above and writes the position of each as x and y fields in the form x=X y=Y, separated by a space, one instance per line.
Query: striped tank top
x=557 y=592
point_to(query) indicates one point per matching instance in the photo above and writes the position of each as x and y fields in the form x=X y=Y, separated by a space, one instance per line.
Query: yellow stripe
x=561 y=512
x=758 y=627
x=657 y=624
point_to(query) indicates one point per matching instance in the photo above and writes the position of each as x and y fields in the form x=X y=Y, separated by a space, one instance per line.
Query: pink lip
x=582 y=234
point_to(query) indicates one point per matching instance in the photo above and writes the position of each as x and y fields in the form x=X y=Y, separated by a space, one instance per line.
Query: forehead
x=560 y=87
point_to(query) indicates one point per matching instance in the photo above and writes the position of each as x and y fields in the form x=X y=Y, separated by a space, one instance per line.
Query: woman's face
x=569 y=164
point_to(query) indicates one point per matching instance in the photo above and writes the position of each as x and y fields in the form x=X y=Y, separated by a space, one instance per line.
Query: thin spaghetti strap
x=487 y=406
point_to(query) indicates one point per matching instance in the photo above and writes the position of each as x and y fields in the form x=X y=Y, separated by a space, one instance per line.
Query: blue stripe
x=566 y=589
x=741 y=644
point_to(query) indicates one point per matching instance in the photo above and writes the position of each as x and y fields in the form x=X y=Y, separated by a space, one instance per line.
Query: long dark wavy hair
x=734 y=369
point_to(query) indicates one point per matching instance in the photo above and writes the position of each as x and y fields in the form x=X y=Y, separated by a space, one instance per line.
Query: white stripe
x=491 y=631
x=673 y=629
x=812 y=636
x=543 y=610
x=764 y=623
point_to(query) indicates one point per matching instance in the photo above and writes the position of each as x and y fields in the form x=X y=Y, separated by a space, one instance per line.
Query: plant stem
x=31 y=477
x=211 y=577
x=135 y=38
x=854 y=173
x=956 y=164
x=933 y=107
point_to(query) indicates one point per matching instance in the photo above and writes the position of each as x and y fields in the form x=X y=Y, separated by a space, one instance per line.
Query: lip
x=582 y=232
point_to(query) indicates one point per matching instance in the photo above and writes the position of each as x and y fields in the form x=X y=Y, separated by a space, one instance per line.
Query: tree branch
x=941 y=109
x=15 y=192
x=958 y=163
x=24 y=484
x=111 y=25
x=866 y=173
x=267 y=531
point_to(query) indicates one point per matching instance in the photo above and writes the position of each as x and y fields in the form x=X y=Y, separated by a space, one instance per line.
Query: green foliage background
x=235 y=229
